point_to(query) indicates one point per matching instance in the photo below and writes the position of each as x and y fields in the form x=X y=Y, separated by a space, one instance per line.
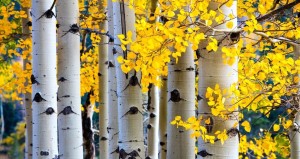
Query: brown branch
x=274 y=12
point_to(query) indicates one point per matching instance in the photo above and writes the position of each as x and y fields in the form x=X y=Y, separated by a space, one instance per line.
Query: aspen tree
x=112 y=128
x=212 y=71
x=44 y=93
x=130 y=116
x=69 y=111
x=103 y=85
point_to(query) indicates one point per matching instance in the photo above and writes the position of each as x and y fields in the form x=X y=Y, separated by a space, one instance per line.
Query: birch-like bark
x=295 y=135
x=130 y=115
x=44 y=95
x=163 y=102
x=103 y=85
x=113 y=130
x=153 y=122
x=27 y=96
x=180 y=145
x=212 y=71
x=69 y=111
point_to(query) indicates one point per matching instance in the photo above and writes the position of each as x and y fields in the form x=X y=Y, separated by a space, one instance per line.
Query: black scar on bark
x=29 y=23
x=204 y=153
x=67 y=110
x=152 y=115
x=44 y=153
x=199 y=97
x=190 y=68
x=33 y=80
x=74 y=29
x=132 y=155
x=133 y=81
x=109 y=64
x=62 y=79
x=48 y=111
x=38 y=98
x=49 y=13
x=234 y=36
x=175 y=96
x=132 y=110
x=103 y=138
x=149 y=126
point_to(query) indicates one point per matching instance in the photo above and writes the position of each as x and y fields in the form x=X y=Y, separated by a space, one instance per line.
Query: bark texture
x=69 y=99
x=44 y=95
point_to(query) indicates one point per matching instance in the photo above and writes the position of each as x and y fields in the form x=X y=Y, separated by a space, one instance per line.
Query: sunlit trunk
x=103 y=85
x=27 y=96
x=153 y=122
x=181 y=102
x=294 y=131
x=131 y=140
x=163 y=102
x=69 y=111
x=113 y=130
x=212 y=71
x=44 y=95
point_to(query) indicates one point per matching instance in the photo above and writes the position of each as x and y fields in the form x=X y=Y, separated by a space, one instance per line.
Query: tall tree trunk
x=69 y=111
x=103 y=85
x=44 y=87
x=212 y=71
x=27 y=96
x=181 y=102
x=153 y=122
x=113 y=130
x=163 y=102
x=295 y=135
x=131 y=140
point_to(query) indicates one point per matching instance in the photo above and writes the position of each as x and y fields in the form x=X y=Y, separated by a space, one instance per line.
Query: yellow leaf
x=120 y=59
x=131 y=55
x=246 y=126
x=229 y=25
x=177 y=118
x=121 y=36
x=276 y=127
x=171 y=13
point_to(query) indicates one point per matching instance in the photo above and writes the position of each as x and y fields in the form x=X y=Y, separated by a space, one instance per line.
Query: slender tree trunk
x=44 y=91
x=131 y=140
x=163 y=102
x=295 y=135
x=153 y=122
x=212 y=71
x=181 y=102
x=113 y=130
x=103 y=85
x=27 y=96
x=69 y=111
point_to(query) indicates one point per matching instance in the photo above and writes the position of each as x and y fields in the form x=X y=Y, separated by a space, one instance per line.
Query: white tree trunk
x=44 y=71
x=153 y=123
x=69 y=99
x=181 y=80
x=103 y=85
x=295 y=135
x=113 y=130
x=27 y=97
x=163 y=102
x=131 y=138
x=212 y=71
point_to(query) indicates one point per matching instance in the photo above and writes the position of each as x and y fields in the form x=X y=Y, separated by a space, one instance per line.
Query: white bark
x=27 y=97
x=180 y=145
x=44 y=70
x=130 y=125
x=103 y=85
x=212 y=70
x=163 y=101
x=295 y=135
x=153 y=123
x=69 y=121
x=113 y=130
